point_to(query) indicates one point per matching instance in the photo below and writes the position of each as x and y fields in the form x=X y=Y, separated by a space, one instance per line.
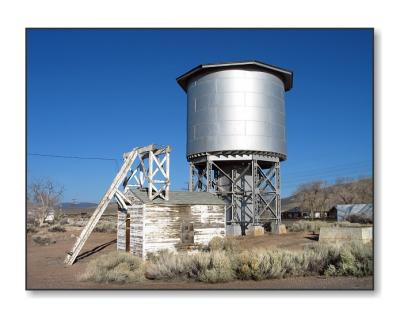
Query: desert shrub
x=362 y=219
x=166 y=265
x=314 y=226
x=30 y=228
x=31 y=220
x=308 y=226
x=106 y=227
x=56 y=228
x=216 y=244
x=64 y=221
x=228 y=244
x=213 y=267
x=330 y=271
x=43 y=240
x=117 y=267
x=79 y=223
x=354 y=259
x=208 y=267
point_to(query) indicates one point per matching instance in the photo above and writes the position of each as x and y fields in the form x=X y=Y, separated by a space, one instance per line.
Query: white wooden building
x=182 y=223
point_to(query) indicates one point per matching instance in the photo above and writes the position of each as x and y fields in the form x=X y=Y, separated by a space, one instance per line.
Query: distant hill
x=345 y=191
x=289 y=202
x=68 y=205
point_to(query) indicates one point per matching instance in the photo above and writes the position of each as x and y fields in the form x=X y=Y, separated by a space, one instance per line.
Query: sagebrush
x=118 y=267
x=218 y=265
x=314 y=226
x=57 y=228
x=106 y=227
x=43 y=240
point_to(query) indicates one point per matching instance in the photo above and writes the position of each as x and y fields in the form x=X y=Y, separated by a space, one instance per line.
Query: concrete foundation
x=345 y=234
x=278 y=228
x=233 y=230
x=255 y=230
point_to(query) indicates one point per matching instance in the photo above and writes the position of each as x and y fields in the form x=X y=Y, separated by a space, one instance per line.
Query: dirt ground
x=46 y=270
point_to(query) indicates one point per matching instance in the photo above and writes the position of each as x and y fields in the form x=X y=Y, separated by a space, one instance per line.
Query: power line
x=76 y=157
x=325 y=177
x=338 y=166
x=348 y=170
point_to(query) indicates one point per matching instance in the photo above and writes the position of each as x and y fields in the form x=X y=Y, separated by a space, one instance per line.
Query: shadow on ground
x=94 y=250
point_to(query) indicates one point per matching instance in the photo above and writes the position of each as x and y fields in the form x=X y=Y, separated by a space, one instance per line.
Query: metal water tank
x=235 y=107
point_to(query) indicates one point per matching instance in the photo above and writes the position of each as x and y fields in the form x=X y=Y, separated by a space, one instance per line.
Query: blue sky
x=96 y=93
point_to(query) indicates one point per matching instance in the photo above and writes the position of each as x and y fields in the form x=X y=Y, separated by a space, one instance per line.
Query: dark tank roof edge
x=285 y=75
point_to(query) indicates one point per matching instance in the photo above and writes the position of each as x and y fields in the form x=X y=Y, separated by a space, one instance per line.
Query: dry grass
x=30 y=228
x=224 y=263
x=118 y=267
x=314 y=226
x=106 y=227
x=64 y=221
x=228 y=244
x=57 y=228
x=43 y=240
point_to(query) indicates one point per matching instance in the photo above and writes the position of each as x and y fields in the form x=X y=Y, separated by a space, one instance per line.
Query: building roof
x=344 y=210
x=292 y=210
x=285 y=75
x=180 y=198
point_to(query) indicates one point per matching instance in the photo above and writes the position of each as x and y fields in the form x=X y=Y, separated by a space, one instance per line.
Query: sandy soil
x=45 y=268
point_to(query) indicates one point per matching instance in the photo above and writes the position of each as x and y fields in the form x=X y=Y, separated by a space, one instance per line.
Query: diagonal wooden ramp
x=111 y=192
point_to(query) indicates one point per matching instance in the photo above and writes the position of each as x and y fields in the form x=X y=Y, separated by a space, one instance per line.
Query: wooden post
x=150 y=175
x=128 y=232
x=167 y=176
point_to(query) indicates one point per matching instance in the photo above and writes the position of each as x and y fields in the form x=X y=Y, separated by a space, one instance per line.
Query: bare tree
x=312 y=197
x=364 y=190
x=45 y=196
x=349 y=191
x=344 y=190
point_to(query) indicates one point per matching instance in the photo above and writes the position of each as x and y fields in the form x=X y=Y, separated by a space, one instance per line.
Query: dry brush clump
x=57 y=228
x=354 y=259
x=31 y=228
x=315 y=226
x=106 y=227
x=208 y=267
x=117 y=267
x=218 y=243
x=43 y=240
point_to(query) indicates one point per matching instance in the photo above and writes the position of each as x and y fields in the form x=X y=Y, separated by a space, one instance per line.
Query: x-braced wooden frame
x=151 y=163
x=151 y=170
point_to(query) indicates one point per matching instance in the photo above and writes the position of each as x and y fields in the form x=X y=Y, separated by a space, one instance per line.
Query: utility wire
x=348 y=170
x=77 y=157
x=338 y=166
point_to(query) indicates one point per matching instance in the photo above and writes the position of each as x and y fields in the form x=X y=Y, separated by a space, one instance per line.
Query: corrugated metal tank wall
x=235 y=110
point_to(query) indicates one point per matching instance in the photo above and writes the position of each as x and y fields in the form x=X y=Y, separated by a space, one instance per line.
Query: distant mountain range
x=78 y=205
x=68 y=205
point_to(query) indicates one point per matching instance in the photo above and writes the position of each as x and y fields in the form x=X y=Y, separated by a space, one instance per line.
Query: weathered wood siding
x=156 y=227
x=209 y=221
x=137 y=240
x=163 y=225
x=121 y=231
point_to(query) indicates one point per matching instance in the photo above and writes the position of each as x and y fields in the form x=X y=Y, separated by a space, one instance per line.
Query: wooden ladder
x=112 y=190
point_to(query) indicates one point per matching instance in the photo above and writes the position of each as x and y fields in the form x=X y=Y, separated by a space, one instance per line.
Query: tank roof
x=285 y=75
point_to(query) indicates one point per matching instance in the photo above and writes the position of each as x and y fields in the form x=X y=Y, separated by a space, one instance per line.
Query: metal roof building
x=345 y=210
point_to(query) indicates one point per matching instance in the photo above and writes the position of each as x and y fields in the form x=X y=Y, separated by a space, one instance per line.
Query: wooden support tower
x=152 y=174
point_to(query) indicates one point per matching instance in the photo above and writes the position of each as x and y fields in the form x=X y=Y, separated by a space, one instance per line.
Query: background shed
x=342 y=211
x=184 y=222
